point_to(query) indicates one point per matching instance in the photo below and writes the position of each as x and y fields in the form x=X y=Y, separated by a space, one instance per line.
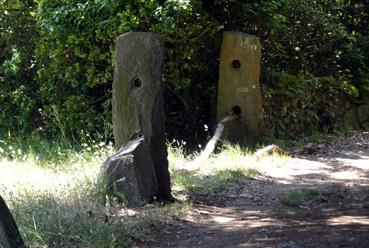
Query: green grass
x=51 y=187
x=209 y=184
x=232 y=165
x=297 y=198
x=52 y=152
x=53 y=193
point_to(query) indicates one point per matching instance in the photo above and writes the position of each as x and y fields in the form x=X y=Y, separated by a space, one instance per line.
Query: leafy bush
x=57 y=60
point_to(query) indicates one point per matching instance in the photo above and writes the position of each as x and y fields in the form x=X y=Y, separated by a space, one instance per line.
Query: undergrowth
x=51 y=188
x=57 y=152
x=231 y=165
x=297 y=198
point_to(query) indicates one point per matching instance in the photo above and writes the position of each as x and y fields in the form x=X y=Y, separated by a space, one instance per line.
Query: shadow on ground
x=250 y=214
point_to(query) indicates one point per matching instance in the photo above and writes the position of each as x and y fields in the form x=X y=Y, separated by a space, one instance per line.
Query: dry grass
x=63 y=206
x=53 y=193
x=231 y=165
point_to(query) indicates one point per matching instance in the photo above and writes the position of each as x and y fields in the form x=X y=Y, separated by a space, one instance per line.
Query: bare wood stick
x=210 y=146
x=268 y=150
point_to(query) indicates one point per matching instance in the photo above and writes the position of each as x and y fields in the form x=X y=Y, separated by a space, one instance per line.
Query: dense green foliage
x=57 y=60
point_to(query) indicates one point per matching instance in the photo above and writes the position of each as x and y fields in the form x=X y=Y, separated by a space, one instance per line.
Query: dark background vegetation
x=57 y=60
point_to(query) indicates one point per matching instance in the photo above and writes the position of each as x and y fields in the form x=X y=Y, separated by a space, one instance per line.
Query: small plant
x=223 y=178
x=184 y=180
x=297 y=198
x=209 y=184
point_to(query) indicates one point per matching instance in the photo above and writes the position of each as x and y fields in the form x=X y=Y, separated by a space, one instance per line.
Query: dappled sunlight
x=284 y=169
x=223 y=161
x=289 y=169
x=348 y=220
x=245 y=219
x=303 y=171
x=362 y=163
x=17 y=176
x=348 y=175
x=222 y=219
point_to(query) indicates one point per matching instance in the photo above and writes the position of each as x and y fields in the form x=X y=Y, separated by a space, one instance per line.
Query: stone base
x=130 y=174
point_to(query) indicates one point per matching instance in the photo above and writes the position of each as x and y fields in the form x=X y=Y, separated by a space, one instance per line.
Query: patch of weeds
x=290 y=212
x=297 y=198
x=210 y=184
x=292 y=199
x=185 y=180
x=233 y=150
x=230 y=166
x=223 y=179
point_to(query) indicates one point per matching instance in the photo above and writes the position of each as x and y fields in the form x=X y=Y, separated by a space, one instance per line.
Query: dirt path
x=252 y=215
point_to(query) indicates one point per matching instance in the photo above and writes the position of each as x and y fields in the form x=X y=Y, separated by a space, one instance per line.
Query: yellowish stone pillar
x=239 y=86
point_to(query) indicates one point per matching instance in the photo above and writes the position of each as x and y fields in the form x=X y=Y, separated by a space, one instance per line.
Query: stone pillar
x=239 y=86
x=138 y=105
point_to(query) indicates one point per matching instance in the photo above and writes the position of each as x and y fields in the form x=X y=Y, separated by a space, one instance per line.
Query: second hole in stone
x=236 y=64
x=236 y=110
x=136 y=83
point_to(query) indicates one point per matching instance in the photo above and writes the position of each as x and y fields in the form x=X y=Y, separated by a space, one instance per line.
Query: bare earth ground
x=251 y=214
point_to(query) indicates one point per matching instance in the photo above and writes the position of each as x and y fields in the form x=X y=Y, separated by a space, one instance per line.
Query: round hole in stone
x=236 y=110
x=236 y=64
x=136 y=83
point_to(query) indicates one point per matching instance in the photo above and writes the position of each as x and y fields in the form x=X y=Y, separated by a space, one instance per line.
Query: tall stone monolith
x=138 y=108
x=239 y=85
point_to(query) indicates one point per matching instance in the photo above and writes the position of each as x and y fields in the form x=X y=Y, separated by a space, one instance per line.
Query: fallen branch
x=268 y=150
x=210 y=146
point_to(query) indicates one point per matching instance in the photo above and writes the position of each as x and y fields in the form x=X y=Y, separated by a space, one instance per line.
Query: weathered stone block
x=130 y=174
x=138 y=105
x=239 y=86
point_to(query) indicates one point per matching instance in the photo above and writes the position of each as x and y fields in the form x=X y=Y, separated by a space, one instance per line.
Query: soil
x=252 y=214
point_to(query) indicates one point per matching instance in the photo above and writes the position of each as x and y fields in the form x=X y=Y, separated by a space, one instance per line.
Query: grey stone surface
x=130 y=174
x=138 y=105
x=239 y=85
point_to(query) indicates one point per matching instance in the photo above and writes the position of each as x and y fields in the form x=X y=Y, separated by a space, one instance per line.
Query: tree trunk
x=9 y=233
